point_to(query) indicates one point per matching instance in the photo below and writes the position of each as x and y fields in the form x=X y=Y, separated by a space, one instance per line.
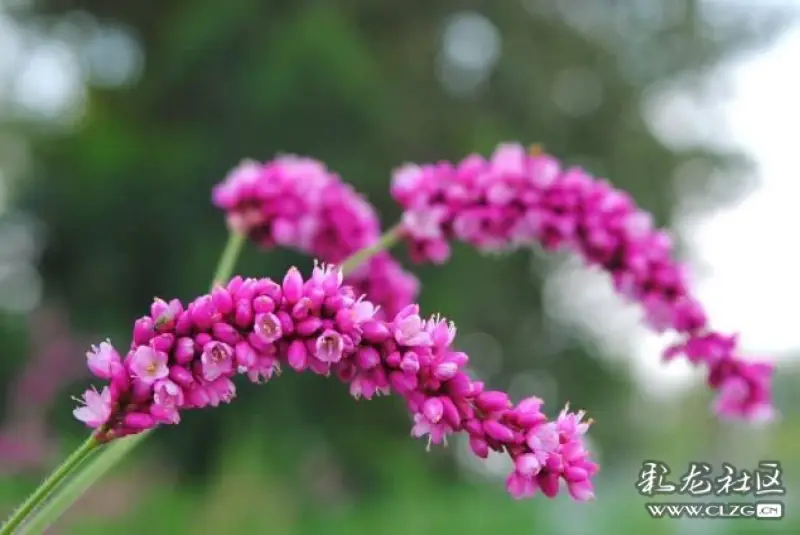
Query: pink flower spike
x=190 y=365
x=526 y=199
x=148 y=365
x=297 y=202
x=96 y=409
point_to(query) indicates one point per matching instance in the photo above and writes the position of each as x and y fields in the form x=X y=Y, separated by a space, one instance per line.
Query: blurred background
x=116 y=118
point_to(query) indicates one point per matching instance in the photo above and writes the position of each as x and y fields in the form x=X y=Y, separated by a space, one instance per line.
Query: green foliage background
x=123 y=197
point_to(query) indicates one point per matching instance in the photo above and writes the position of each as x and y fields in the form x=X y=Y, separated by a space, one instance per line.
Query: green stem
x=80 y=483
x=228 y=259
x=389 y=238
x=109 y=455
x=49 y=484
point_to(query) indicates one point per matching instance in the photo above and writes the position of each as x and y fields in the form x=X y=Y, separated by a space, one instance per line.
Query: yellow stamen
x=535 y=150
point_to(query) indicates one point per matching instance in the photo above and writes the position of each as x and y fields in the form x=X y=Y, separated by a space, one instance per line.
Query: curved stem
x=48 y=485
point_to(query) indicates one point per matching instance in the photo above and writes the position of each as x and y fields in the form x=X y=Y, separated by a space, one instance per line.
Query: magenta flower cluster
x=520 y=199
x=367 y=332
x=297 y=202
x=185 y=358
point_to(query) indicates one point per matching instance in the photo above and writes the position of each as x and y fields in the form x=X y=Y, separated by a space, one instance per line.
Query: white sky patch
x=749 y=251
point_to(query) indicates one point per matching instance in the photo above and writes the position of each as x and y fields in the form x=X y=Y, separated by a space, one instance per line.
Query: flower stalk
x=230 y=254
x=384 y=243
x=38 y=512
x=44 y=512
x=77 y=485
x=49 y=485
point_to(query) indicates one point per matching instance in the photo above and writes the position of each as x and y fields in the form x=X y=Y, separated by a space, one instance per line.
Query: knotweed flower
x=256 y=327
x=96 y=408
x=516 y=199
x=298 y=203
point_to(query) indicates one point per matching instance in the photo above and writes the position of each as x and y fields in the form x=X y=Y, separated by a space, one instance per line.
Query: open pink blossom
x=216 y=360
x=329 y=346
x=95 y=409
x=148 y=365
x=101 y=360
